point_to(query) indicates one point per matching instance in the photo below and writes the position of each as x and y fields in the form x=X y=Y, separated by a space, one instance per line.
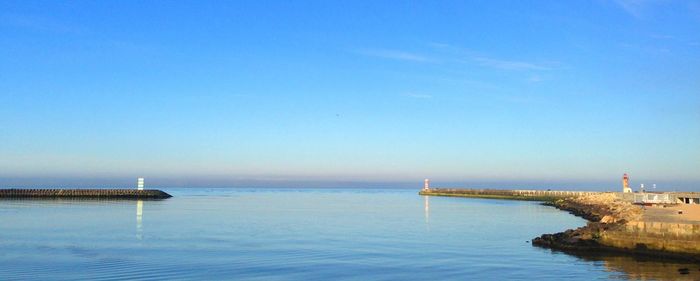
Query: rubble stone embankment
x=84 y=193
x=620 y=226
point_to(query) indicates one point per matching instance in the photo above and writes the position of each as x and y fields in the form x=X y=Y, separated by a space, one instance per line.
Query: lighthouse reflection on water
x=139 y=219
x=426 y=203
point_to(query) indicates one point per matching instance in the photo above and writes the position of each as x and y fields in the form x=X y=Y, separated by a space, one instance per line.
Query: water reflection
x=139 y=219
x=426 y=205
x=16 y=204
x=641 y=268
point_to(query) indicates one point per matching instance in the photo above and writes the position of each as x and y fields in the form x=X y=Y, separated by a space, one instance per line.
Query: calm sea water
x=297 y=234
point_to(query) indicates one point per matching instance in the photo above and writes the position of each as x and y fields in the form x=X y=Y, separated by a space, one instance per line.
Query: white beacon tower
x=139 y=184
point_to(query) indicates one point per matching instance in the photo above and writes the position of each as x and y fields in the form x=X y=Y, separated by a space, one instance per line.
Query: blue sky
x=350 y=93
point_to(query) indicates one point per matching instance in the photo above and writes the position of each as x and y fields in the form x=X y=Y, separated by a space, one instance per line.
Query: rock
x=607 y=219
x=571 y=240
x=684 y=270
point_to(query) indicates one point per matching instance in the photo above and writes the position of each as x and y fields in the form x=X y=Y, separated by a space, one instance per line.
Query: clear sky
x=350 y=93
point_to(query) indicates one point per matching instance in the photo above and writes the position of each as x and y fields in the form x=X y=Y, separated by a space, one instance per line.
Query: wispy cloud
x=510 y=64
x=645 y=49
x=636 y=8
x=439 y=45
x=694 y=8
x=535 y=79
x=459 y=54
x=419 y=96
x=394 y=55
x=39 y=23
x=643 y=8
x=661 y=36
x=453 y=59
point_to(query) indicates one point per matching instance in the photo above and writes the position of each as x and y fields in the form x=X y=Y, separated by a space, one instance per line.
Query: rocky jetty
x=602 y=211
x=615 y=224
x=614 y=227
x=601 y=207
x=84 y=193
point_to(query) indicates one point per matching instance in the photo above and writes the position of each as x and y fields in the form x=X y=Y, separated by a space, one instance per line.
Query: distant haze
x=515 y=94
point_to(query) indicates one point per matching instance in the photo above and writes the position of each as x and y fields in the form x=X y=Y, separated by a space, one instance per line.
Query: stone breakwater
x=614 y=225
x=619 y=226
x=85 y=193
x=520 y=194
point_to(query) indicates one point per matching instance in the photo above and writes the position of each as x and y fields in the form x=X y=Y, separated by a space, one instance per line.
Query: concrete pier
x=672 y=197
x=84 y=193
x=517 y=194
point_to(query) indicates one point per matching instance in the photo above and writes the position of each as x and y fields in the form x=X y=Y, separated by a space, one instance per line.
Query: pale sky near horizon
x=331 y=93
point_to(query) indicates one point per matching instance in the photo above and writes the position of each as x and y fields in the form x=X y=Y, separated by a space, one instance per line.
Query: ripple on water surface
x=297 y=234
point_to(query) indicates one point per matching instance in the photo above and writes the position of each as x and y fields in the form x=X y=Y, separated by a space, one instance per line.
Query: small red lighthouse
x=626 y=184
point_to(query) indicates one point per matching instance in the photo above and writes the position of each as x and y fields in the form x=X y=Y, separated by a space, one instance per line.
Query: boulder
x=607 y=219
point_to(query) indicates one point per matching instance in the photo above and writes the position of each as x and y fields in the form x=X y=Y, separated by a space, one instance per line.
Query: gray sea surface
x=299 y=234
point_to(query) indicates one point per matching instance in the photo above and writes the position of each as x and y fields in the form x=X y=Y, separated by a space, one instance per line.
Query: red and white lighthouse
x=626 y=184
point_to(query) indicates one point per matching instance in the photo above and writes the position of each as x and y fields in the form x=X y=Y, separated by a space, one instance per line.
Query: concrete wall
x=670 y=237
